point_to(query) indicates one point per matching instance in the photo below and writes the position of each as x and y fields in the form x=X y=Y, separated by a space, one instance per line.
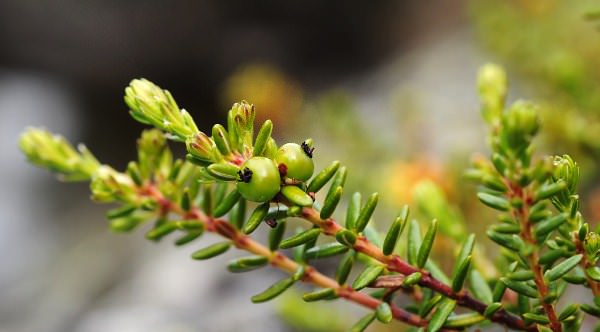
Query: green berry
x=258 y=179
x=295 y=161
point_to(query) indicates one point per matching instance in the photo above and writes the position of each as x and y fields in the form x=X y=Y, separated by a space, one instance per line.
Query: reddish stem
x=395 y=263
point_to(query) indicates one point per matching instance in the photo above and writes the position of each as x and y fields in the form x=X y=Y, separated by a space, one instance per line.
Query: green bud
x=591 y=244
x=56 y=154
x=492 y=86
x=152 y=105
x=201 y=147
x=520 y=124
x=243 y=115
x=108 y=185
x=567 y=170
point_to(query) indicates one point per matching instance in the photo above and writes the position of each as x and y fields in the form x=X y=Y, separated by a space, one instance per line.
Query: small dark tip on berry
x=307 y=149
x=244 y=175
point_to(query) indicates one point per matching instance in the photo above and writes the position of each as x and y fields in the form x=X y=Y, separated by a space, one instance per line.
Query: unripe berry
x=295 y=161
x=258 y=179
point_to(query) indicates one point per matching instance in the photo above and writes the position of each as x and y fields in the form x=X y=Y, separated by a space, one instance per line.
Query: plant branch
x=278 y=259
x=521 y=214
x=397 y=264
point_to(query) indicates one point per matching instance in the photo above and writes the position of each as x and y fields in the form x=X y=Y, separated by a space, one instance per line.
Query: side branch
x=395 y=263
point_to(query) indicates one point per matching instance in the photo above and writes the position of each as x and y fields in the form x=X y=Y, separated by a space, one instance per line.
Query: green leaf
x=338 y=180
x=353 y=210
x=549 y=190
x=363 y=323
x=465 y=251
x=427 y=306
x=563 y=268
x=276 y=234
x=331 y=202
x=227 y=203
x=464 y=320
x=414 y=242
x=221 y=139
x=551 y=256
x=321 y=294
x=493 y=201
x=300 y=238
x=124 y=224
x=522 y=275
x=540 y=319
x=272 y=292
x=391 y=238
x=459 y=278
x=498 y=293
x=122 y=211
x=237 y=215
x=344 y=267
x=212 y=250
x=207 y=200
x=506 y=228
x=257 y=216
x=189 y=237
x=520 y=287
x=161 y=231
x=480 y=287
x=427 y=244
x=491 y=309
x=523 y=304
x=367 y=276
x=246 y=264
x=568 y=311
x=591 y=309
x=444 y=309
x=323 y=177
x=346 y=237
x=511 y=241
x=412 y=279
x=593 y=272
x=223 y=171
x=326 y=250
x=383 y=312
x=296 y=196
x=366 y=212
x=263 y=136
x=546 y=226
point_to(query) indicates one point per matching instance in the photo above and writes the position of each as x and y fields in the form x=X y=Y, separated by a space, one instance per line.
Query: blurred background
x=387 y=88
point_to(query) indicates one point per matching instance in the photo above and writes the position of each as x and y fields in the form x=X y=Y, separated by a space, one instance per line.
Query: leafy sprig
x=209 y=190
